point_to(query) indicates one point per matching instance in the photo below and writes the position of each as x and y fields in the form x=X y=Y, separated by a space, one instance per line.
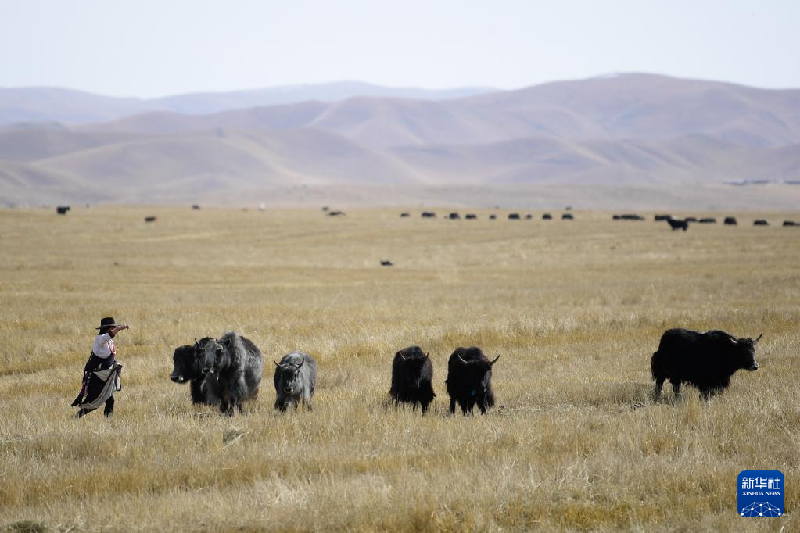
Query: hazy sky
x=158 y=47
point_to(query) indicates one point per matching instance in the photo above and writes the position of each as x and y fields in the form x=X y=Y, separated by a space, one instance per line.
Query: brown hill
x=633 y=106
x=630 y=130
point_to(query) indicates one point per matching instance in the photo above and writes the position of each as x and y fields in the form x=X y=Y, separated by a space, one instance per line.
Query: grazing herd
x=683 y=224
x=227 y=371
x=493 y=216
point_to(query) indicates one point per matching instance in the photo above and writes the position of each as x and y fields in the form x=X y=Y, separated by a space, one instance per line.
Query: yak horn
x=276 y=364
x=462 y=359
x=758 y=339
x=733 y=341
x=495 y=360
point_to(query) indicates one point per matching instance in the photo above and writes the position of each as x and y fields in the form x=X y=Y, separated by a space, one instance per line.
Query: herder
x=101 y=375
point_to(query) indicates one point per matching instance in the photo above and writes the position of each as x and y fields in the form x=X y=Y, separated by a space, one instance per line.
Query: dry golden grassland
x=575 y=309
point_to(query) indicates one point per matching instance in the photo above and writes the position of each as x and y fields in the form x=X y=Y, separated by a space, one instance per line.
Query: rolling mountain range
x=631 y=129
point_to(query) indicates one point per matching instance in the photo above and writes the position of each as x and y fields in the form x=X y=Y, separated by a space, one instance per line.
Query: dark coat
x=469 y=380
x=705 y=360
x=412 y=378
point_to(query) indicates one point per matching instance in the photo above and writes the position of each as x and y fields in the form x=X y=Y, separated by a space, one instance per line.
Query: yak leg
x=452 y=406
x=676 y=388
x=307 y=400
x=424 y=408
x=467 y=406
x=482 y=406
x=659 y=385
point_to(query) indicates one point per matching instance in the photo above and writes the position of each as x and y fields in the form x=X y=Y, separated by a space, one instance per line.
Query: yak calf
x=295 y=379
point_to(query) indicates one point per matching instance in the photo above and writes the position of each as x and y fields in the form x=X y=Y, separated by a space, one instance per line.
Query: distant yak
x=676 y=224
x=730 y=221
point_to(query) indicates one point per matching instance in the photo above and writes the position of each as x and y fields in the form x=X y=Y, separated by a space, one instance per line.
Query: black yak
x=705 y=360
x=412 y=377
x=567 y=216
x=295 y=379
x=760 y=222
x=730 y=221
x=513 y=216
x=469 y=380
x=187 y=367
x=236 y=365
x=547 y=216
x=676 y=224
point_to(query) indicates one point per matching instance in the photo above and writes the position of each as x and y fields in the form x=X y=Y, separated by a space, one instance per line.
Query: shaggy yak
x=188 y=367
x=295 y=379
x=236 y=365
x=469 y=380
x=412 y=376
x=705 y=360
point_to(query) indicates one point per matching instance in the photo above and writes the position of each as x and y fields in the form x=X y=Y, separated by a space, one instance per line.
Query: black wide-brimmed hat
x=107 y=322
